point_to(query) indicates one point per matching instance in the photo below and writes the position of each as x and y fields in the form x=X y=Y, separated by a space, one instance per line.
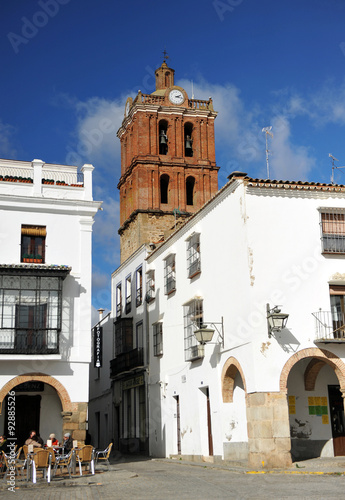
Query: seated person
x=67 y=442
x=3 y=444
x=53 y=439
x=33 y=439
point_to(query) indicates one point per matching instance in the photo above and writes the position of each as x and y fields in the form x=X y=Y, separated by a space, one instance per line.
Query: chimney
x=100 y=312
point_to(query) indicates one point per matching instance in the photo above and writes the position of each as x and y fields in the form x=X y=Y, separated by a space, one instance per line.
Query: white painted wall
x=68 y=214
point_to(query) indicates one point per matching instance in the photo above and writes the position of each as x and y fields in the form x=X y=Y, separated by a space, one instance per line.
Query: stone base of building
x=235 y=451
x=269 y=440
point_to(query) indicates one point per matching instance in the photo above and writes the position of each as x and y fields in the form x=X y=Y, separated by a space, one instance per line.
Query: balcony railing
x=62 y=176
x=13 y=341
x=160 y=100
x=126 y=361
x=329 y=327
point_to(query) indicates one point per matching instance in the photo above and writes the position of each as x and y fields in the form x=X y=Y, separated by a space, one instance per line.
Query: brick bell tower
x=168 y=164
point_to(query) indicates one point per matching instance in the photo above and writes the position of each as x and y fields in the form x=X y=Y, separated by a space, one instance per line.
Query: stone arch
x=230 y=369
x=40 y=377
x=319 y=355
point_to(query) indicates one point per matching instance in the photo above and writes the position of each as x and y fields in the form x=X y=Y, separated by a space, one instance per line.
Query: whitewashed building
x=256 y=393
x=47 y=212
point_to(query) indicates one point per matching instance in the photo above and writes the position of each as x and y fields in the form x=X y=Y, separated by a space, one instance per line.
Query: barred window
x=193 y=255
x=333 y=232
x=128 y=294
x=170 y=274
x=150 y=285
x=158 y=339
x=139 y=286
x=193 y=319
x=118 y=300
x=30 y=314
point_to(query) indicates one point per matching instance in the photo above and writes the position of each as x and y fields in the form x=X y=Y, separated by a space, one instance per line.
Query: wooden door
x=336 y=405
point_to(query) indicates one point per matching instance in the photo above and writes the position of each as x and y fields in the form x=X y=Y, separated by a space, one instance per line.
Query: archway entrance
x=37 y=406
x=235 y=447
x=314 y=381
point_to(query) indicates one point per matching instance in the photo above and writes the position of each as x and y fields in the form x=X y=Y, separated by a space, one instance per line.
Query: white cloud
x=6 y=147
x=96 y=141
x=288 y=161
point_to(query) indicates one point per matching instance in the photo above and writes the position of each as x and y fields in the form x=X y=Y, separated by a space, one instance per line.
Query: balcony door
x=31 y=324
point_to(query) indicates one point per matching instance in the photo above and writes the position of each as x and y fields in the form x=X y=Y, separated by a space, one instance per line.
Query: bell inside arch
x=162 y=137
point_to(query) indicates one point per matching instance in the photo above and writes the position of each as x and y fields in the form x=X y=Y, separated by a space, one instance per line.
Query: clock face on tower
x=176 y=96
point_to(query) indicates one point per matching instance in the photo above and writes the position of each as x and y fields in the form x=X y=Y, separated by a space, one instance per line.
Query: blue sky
x=69 y=64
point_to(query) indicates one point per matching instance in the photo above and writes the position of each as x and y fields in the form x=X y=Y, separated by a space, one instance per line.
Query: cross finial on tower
x=165 y=54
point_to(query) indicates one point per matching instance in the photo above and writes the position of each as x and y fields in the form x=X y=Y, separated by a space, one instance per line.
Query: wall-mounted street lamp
x=204 y=334
x=276 y=320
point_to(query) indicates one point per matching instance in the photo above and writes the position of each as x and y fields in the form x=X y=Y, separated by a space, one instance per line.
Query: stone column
x=268 y=430
x=74 y=422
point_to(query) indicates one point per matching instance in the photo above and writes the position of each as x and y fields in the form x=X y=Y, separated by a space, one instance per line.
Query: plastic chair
x=41 y=460
x=86 y=456
x=63 y=461
x=104 y=455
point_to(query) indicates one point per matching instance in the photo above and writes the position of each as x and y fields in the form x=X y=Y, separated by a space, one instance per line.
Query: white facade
x=267 y=397
x=45 y=332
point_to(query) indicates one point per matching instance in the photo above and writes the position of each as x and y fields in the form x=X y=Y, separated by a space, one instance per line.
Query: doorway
x=336 y=405
x=27 y=416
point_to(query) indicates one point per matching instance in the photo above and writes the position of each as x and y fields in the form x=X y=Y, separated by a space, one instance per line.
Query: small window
x=193 y=319
x=190 y=183
x=170 y=274
x=158 y=339
x=33 y=243
x=164 y=186
x=150 y=285
x=333 y=232
x=118 y=300
x=128 y=294
x=139 y=286
x=193 y=255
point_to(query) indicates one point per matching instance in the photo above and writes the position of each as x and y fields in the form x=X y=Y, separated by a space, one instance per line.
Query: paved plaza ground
x=141 y=478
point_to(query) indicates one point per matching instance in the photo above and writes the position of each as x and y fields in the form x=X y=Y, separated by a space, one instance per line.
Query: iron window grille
x=158 y=339
x=150 y=285
x=333 y=232
x=128 y=294
x=30 y=314
x=118 y=300
x=170 y=274
x=193 y=319
x=139 y=286
x=193 y=255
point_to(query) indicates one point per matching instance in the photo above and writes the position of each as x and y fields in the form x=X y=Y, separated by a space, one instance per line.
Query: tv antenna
x=268 y=132
x=333 y=160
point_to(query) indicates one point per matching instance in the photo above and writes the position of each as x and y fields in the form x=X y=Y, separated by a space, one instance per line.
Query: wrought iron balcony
x=329 y=327
x=126 y=361
x=15 y=341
